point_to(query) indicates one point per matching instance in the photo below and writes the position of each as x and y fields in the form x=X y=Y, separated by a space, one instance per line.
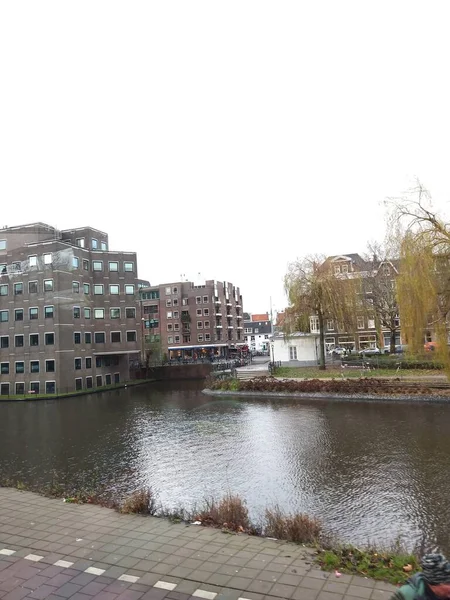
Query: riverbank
x=88 y=543
x=98 y=390
x=329 y=389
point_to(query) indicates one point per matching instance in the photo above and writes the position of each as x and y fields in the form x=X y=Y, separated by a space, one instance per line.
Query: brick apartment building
x=69 y=310
x=185 y=321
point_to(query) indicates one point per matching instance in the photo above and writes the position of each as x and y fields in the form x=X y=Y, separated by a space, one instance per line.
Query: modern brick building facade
x=187 y=321
x=69 y=310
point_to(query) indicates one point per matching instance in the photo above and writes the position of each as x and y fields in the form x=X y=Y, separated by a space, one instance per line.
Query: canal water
x=370 y=471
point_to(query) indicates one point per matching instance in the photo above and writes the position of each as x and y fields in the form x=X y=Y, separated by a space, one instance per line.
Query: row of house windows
x=47 y=261
x=34 y=388
x=108 y=379
x=99 y=313
x=94 y=244
x=187 y=338
x=205 y=312
x=33 y=340
x=49 y=313
x=48 y=286
x=99 y=337
x=360 y=324
x=34 y=366
x=252 y=337
x=170 y=290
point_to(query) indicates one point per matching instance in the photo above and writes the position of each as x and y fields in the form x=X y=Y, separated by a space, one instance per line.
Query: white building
x=295 y=350
x=257 y=332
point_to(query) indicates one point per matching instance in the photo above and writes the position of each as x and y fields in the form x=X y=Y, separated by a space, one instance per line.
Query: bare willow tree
x=313 y=290
x=424 y=280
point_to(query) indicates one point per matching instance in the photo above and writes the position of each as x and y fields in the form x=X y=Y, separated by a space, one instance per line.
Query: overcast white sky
x=225 y=138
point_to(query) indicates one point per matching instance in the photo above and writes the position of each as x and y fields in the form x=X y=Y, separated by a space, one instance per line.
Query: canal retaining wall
x=175 y=372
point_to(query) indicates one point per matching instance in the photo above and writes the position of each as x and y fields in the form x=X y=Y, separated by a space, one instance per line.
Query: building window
x=292 y=353
x=87 y=288
x=88 y=383
x=4 y=389
x=345 y=268
x=198 y=299
x=115 y=337
x=314 y=324
x=32 y=261
x=129 y=289
x=337 y=269
x=4 y=341
x=77 y=364
x=207 y=337
x=80 y=242
x=177 y=339
x=85 y=265
x=205 y=299
x=18 y=314
x=50 y=366
x=170 y=339
x=116 y=377
x=50 y=387
x=47 y=259
x=98 y=362
x=108 y=379
x=34 y=339
x=48 y=285
x=206 y=325
x=49 y=339
x=33 y=287
x=206 y=312
x=75 y=262
x=4 y=368
x=330 y=325
x=4 y=290
x=76 y=312
x=169 y=314
x=99 y=337
x=97 y=265
x=199 y=324
x=128 y=267
x=20 y=389
x=360 y=322
x=99 y=313
x=114 y=290
x=78 y=384
x=88 y=362
x=371 y=323
x=34 y=387
x=168 y=303
x=103 y=246
x=176 y=327
x=17 y=267
x=18 y=289
x=49 y=312
x=99 y=381
x=87 y=337
x=77 y=337
x=169 y=327
x=2 y=244
x=199 y=312
x=34 y=366
x=113 y=266
x=184 y=301
x=87 y=312
x=98 y=289
x=94 y=244
x=34 y=313
x=75 y=287
x=200 y=337
x=131 y=336
x=176 y=314
x=20 y=367
x=168 y=291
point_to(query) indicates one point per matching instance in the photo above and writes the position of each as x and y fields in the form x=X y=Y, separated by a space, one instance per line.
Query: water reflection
x=370 y=471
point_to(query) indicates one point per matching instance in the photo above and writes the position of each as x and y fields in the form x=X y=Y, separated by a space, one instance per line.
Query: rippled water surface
x=369 y=471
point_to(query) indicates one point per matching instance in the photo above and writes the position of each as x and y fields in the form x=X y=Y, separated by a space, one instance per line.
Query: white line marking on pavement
x=94 y=571
x=204 y=594
x=6 y=552
x=129 y=578
x=34 y=557
x=63 y=563
x=165 y=585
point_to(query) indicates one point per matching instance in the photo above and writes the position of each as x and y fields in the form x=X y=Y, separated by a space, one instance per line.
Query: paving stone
x=93 y=588
x=68 y=590
x=312 y=583
x=338 y=588
x=359 y=592
x=304 y=594
x=43 y=592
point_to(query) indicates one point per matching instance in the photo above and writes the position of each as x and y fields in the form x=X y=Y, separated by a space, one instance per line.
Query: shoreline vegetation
x=393 y=564
x=354 y=388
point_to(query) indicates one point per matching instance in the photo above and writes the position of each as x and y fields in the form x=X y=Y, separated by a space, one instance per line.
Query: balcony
x=238 y=316
x=229 y=302
x=217 y=301
x=218 y=326
x=238 y=305
x=218 y=313
x=239 y=327
x=230 y=326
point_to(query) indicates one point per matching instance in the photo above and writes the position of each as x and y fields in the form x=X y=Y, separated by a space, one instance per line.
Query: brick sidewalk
x=53 y=550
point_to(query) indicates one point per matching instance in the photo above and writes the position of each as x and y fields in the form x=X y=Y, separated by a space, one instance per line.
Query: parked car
x=399 y=349
x=338 y=351
x=430 y=346
x=370 y=352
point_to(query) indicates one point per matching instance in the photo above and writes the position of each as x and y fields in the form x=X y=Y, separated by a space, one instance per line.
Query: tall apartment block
x=186 y=321
x=69 y=310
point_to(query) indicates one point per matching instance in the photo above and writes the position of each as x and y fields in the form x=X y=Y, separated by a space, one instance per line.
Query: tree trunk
x=392 y=341
x=322 y=342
